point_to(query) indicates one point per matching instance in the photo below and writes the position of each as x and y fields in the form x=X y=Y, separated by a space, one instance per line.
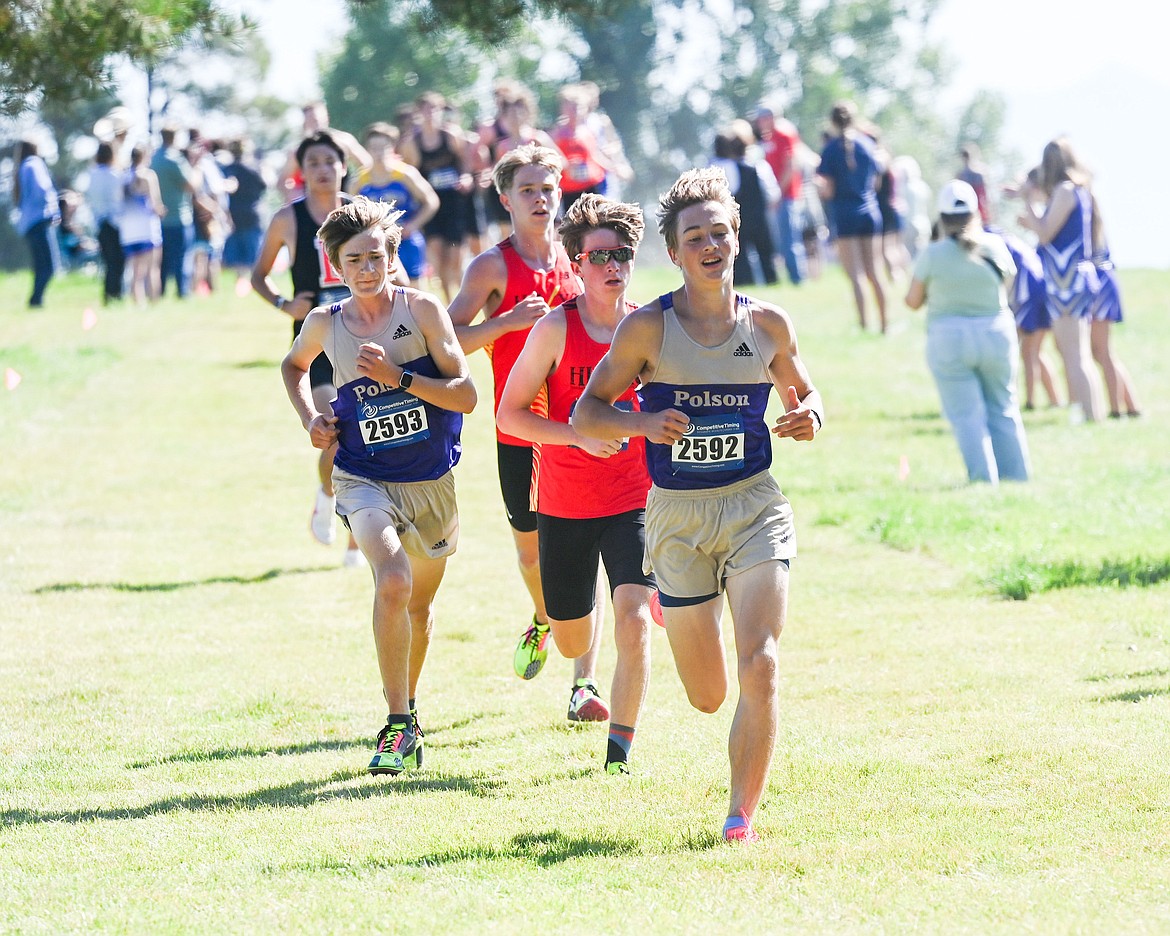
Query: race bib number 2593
x=390 y=420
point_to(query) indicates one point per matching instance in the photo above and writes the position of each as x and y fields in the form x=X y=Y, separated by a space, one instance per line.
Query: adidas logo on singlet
x=742 y=351
x=401 y=332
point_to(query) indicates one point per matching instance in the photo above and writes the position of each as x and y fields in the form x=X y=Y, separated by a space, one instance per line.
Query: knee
x=529 y=560
x=707 y=698
x=422 y=618
x=392 y=587
x=573 y=638
x=759 y=670
x=631 y=634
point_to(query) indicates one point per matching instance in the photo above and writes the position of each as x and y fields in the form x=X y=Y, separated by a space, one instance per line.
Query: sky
x=1100 y=78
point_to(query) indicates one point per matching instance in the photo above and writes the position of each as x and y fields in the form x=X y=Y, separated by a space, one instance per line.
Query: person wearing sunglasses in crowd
x=590 y=493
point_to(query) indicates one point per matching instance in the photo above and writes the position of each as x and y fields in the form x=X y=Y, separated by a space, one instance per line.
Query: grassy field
x=188 y=692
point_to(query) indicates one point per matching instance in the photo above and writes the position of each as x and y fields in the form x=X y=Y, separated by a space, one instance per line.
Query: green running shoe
x=418 y=733
x=615 y=767
x=397 y=750
x=532 y=651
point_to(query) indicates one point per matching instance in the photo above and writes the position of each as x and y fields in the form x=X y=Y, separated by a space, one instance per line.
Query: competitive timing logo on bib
x=369 y=410
x=712 y=427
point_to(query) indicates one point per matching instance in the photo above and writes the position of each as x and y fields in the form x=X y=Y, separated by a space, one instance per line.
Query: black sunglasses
x=602 y=254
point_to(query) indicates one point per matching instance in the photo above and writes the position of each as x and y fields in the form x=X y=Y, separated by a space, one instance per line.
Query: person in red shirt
x=585 y=163
x=514 y=284
x=781 y=143
x=590 y=493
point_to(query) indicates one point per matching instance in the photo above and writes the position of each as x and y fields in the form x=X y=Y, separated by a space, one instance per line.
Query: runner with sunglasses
x=590 y=493
x=707 y=359
x=513 y=285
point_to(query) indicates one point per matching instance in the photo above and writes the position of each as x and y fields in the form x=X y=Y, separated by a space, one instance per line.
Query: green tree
x=619 y=52
x=220 y=84
x=496 y=22
x=387 y=60
x=63 y=50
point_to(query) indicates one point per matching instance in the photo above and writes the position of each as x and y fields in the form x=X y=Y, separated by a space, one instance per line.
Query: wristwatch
x=280 y=301
x=406 y=380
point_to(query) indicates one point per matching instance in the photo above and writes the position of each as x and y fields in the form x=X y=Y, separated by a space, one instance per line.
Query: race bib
x=445 y=178
x=579 y=170
x=392 y=419
x=711 y=443
x=328 y=297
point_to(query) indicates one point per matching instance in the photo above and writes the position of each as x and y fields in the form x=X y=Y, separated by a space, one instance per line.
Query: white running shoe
x=323 y=523
x=353 y=559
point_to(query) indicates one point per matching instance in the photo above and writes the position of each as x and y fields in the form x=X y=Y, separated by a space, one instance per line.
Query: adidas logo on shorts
x=441 y=544
x=401 y=332
x=742 y=351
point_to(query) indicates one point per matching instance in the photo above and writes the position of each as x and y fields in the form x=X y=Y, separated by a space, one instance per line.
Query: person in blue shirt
x=847 y=179
x=35 y=196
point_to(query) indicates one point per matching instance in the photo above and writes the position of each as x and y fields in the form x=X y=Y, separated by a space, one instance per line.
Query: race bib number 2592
x=712 y=443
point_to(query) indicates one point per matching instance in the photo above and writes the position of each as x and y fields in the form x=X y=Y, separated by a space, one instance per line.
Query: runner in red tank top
x=512 y=286
x=591 y=493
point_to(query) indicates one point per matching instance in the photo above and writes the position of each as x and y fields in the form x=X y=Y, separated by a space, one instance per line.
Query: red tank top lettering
x=556 y=286
x=570 y=482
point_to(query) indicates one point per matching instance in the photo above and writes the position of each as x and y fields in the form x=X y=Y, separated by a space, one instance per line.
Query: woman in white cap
x=964 y=278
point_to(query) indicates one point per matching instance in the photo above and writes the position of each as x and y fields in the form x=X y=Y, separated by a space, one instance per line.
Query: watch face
x=406 y=380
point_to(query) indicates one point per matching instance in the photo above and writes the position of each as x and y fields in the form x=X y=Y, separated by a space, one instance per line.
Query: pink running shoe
x=739 y=829
x=586 y=704
x=656 y=609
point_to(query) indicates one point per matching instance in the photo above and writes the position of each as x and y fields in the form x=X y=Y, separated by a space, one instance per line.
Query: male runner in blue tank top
x=402 y=387
x=707 y=359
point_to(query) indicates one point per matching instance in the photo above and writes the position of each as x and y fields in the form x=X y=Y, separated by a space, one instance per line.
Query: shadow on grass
x=178 y=586
x=544 y=849
x=286 y=750
x=197 y=756
x=298 y=795
x=930 y=415
x=1023 y=577
x=257 y=365
x=1135 y=695
x=1141 y=674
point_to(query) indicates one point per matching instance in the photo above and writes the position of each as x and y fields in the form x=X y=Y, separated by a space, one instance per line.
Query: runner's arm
x=453 y=389
x=483 y=286
x=281 y=233
x=626 y=360
x=294 y=370
x=541 y=356
x=802 y=400
x=427 y=198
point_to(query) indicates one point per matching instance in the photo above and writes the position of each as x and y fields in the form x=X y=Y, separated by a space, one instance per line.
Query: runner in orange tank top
x=513 y=285
x=591 y=493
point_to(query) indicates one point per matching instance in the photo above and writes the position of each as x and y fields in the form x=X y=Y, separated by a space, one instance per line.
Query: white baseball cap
x=957 y=198
x=118 y=120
